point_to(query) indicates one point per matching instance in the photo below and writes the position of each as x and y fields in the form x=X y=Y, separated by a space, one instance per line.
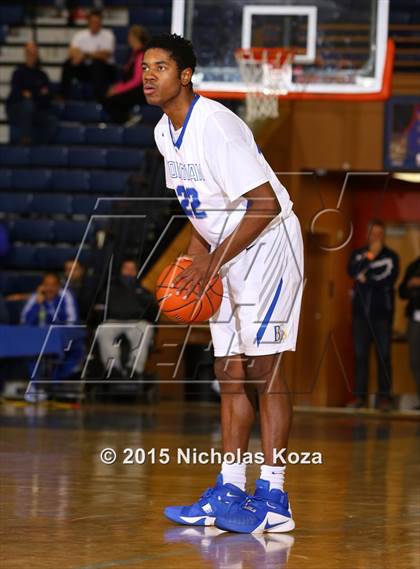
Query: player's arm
x=263 y=206
x=198 y=245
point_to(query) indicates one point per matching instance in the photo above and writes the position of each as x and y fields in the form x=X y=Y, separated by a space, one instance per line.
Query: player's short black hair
x=180 y=49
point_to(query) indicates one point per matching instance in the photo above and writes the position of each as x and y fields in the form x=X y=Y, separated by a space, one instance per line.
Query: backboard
x=340 y=46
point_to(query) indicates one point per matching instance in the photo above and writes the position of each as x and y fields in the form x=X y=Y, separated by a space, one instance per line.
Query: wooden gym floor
x=63 y=509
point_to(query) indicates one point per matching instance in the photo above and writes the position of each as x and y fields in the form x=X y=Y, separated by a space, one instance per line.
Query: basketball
x=194 y=308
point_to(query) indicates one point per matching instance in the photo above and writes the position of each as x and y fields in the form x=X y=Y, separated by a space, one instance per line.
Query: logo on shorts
x=279 y=334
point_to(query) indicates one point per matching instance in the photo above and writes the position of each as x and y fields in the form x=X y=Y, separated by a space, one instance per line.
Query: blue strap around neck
x=180 y=138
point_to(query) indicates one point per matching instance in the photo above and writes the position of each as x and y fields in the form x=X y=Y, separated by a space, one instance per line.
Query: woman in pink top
x=123 y=96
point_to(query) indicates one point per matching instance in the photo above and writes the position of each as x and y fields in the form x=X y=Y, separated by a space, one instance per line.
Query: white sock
x=275 y=475
x=234 y=474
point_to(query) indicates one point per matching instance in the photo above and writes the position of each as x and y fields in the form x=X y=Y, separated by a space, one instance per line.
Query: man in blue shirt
x=40 y=308
x=52 y=305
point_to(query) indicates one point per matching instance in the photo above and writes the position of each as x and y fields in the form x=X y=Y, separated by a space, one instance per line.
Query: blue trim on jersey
x=178 y=143
x=262 y=328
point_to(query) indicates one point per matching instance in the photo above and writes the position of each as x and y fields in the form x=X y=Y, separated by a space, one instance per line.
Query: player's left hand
x=198 y=274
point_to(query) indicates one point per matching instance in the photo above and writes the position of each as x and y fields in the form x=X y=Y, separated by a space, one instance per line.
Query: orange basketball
x=194 y=308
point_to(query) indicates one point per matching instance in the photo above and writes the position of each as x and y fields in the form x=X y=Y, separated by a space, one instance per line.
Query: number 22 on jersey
x=190 y=202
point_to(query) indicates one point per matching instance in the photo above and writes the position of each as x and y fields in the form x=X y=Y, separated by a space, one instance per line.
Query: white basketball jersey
x=210 y=163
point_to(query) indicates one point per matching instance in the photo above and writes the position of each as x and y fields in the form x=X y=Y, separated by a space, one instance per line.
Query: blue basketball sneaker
x=267 y=510
x=215 y=501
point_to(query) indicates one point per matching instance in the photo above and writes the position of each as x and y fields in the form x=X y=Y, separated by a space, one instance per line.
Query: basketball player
x=245 y=229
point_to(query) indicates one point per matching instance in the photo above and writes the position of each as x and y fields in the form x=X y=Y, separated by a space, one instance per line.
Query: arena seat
x=54 y=257
x=107 y=135
x=22 y=257
x=11 y=14
x=51 y=203
x=32 y=180
x=83 y=157
x=70 y=180
x=70 y=134
x=150 y=17
x=69 y=231
x=124 y=158
x=3 y=32
x=52 y=156
x=31 y=230
x=14 y=156
x=18 y=282
x=120 y=34
x=27 y=282
x=139 y=136
x=108 y=181
x=5 y=180
x=15 y=203
x=14 y=309
x=83 y=205
x=81 y=111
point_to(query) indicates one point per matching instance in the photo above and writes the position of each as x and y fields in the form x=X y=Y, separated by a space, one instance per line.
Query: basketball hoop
x=267 y=74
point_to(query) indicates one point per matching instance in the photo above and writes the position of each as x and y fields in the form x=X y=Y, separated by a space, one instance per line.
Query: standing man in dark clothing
x=375 y=269
x=410 y=290
x=29 y=102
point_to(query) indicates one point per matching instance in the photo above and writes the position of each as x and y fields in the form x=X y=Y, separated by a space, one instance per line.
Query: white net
x=267 y=74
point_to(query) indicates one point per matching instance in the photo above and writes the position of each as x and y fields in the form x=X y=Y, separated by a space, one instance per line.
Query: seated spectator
x=80 y=285
x=51 y=305
x=41 y=306
x=91 y=58
x=130 y=310
x=123 y=96
x=29 y=103
x=410 y=290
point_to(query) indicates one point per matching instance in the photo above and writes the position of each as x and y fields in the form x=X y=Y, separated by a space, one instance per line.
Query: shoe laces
x=248 y=501
x=208 y=493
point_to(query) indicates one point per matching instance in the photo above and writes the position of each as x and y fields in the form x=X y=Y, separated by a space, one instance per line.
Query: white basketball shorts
x=262 y=294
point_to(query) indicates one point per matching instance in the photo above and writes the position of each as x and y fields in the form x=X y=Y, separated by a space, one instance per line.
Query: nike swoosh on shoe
x=193 y=519
x=269 y=526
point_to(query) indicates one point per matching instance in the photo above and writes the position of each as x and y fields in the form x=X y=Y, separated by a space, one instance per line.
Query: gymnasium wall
x=314 y=146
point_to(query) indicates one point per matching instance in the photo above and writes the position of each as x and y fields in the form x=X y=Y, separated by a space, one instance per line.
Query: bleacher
x=48 y=193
